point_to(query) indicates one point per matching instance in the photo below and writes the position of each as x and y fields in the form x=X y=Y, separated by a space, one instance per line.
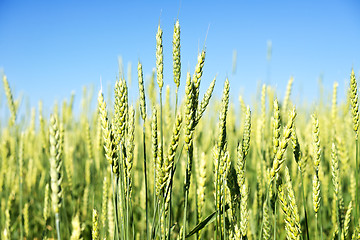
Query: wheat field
x=175 y=167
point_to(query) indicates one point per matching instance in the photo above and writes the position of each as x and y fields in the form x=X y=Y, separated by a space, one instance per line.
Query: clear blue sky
x=50 y=48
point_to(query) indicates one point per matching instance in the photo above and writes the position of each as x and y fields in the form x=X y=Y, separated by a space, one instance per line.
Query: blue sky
x=50 y=48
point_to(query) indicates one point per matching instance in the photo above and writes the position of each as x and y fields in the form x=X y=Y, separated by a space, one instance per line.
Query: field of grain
x=176 y=167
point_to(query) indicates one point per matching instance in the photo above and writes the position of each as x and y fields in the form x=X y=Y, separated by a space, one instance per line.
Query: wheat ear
x=176 y=60
x=279 y=157
x=55 y=170
x=95 y=226
x=10 y=100
x=355 y=117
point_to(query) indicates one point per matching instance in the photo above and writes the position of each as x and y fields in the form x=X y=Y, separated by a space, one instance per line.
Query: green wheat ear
x=190 y=108
x=316 y=193
x=120 y=110
x=142 y=92
x=201 y=178
x=223 y=115
x=108 y=133
x=199 y=69
x=154 y=134
x=176 y=54
x=354 y=103
x=266 y=220
x=159 y=58
x=316 y=142
x=243 y=149
x=244 y=222
x=55 y=170
x=130 y=147
x=335 y=169
x=276 y=126
x=46 y=209
x=10 y=99
x=76 y=228
x=95 y=226
x=296 y=228
x=279 y=157
x=55 y=164
x=347 y=220
x=205 y=101
x=287 y=95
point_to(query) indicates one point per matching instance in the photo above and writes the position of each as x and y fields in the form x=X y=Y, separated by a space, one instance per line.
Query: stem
x=169 y=230
x=153 y=230
x=187 y=184
x=304 y=205
x=317 y=230
x=114 y=202
x=338 y=217
x=164 y=220
x=57 y=222
x=160 y=215
x=176 y=100
x=196 y=200
x=269 y=205
x=127 y=207
x=161 y=127
x=185 y=213
x=153 y=225
x=275 y=219
x=161 y=140
x=146 y=190
x=357 y=182
x=120 y=188
x=217 y=196
x=169 y=191
x=154 y=195
x=321 y=221
x=216 y=209
x=223 y=206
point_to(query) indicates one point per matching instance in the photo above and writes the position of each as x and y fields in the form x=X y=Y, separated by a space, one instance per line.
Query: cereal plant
x=182 y=167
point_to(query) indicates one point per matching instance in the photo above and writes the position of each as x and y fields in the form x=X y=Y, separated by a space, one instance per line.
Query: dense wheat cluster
x=173 y=169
